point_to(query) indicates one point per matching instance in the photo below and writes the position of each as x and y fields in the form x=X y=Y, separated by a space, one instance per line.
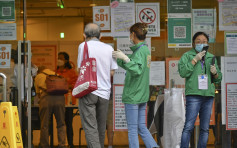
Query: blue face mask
x=199 y=47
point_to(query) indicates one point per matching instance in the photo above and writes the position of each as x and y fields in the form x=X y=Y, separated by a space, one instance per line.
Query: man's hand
x=199 y=56
x=120 y=55
x=213 y=70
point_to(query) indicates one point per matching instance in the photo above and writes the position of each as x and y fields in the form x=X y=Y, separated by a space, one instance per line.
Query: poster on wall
x=230 y=43
x=205 y=20
x=122 y=18
x=179 y=31
x=149 y=13
x=227 y=15
x=7 y=10
x=157 y=73
x=101 y=16
x=7 y=31
x=172 y=73
x=5 y=55
x=179 y=23
x=123 y=44
x=231 y=106
x=229 y=73
x=44 y=55
x=179 y=6
x=119 y=117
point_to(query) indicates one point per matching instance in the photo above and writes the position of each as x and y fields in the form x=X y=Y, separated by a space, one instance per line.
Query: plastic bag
x=174 y=117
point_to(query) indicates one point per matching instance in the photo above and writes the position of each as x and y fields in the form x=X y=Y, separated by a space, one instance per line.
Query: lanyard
x=202 y=64
x=139 y=47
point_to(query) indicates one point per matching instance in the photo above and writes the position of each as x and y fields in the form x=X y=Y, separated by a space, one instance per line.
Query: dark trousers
x=68 y=121
x=52 y=105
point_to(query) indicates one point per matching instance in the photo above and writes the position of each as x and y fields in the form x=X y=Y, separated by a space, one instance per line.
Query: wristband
x=195 y=60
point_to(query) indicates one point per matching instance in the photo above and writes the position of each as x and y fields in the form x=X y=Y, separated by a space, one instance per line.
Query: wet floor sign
x=10 y=130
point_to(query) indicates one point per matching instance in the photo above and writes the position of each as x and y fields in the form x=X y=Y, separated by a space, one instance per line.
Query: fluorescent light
x=62 y=35
x=92 y=5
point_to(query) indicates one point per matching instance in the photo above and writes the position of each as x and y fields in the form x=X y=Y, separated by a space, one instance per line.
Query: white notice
x=120 y=122
x=157 y=73
x=7 y=31
x=122 y=18
x=231 y=106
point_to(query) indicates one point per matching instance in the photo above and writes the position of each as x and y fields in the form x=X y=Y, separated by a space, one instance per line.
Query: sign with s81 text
x=5 y=55
x=101 y=16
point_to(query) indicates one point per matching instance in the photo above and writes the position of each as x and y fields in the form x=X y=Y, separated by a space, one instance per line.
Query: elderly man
x=93 y=107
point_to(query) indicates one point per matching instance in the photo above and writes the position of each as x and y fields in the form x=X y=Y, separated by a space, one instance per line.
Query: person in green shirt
x=200 y=70
x=136 y=87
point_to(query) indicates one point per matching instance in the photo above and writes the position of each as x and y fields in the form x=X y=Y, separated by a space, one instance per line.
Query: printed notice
x=179 y=31
x=44 y=55
x=205 y=20
x=119 y=120
x=101 y=16
x=7 y=10
x=231 y=106
x=172 y=74
x=149 y=13
x=231 y=43
x=7 y=31
x=157 y=73
x=5 y=55
x=229 y=72
x=227 y=15
x=122 y=18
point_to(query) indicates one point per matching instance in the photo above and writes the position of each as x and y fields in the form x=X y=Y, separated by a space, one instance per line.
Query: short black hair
x=200 y=33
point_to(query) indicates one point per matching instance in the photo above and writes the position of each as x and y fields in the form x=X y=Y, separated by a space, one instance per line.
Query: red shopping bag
x=87 y=79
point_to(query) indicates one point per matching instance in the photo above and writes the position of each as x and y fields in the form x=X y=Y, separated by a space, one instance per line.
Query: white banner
x=101 y=16
x=149 y=13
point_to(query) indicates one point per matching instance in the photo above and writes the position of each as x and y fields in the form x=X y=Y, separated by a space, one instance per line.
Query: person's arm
x=185 y=66
x=215 y=71
x=136 y=64
x=112 y=72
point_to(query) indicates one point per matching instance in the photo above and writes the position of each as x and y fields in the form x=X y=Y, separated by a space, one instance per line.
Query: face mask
x=60 y=63
x=131 y=41
x=199 y=47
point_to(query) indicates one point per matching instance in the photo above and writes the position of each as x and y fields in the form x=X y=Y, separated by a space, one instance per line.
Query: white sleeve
x=80 y=55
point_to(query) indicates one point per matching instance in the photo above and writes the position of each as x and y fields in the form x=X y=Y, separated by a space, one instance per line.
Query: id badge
x=202 y=82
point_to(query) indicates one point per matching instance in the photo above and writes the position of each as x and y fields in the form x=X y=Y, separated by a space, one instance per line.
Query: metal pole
x=4 y=86
x=19 y=71
x=29 y=93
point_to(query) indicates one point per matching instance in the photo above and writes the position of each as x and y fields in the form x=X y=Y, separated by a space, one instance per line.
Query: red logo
x=173 y=64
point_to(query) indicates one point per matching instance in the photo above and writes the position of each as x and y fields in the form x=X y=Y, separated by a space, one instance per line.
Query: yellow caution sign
x=10 y=130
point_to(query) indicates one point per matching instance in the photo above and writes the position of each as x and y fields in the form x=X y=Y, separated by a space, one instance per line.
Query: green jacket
x=190 y=72
x=136 y=87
